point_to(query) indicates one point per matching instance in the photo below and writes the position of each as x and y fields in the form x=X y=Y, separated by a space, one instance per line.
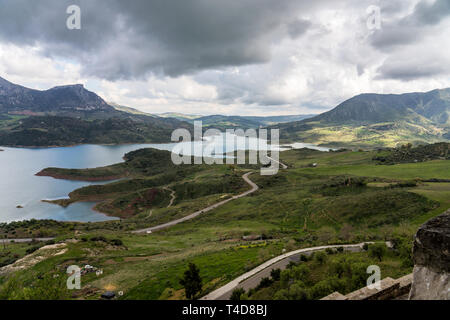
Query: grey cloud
x=298 y=27
x=432 y=14
x=408 y=71
x=130 y=39
x=411 y=31
x=411 y=28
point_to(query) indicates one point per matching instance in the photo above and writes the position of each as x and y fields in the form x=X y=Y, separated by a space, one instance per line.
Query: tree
x=236 y=294
x=377 y=251
x=275 y=274
x=303 y=258
x=264 y=283
x=192 y=282
x=320 y=257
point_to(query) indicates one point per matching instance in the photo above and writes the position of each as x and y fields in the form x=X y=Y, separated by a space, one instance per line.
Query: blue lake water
x=20 y=186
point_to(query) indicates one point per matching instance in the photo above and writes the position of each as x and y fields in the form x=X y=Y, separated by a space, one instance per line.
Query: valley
x=347 y=198
x=386 y=172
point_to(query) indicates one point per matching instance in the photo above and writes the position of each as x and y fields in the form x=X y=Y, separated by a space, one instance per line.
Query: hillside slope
x=376 y=120
x=67 y=115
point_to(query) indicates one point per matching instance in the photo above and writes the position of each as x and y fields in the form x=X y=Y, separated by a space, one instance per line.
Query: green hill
x=376 y=120
x=68 y=115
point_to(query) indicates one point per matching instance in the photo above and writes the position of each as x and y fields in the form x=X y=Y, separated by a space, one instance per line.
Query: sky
x=234 y=57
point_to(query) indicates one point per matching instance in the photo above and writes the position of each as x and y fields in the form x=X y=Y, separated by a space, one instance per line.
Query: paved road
x=214 y=206
x=25 y=240
x=252 y=278
x=197 y=213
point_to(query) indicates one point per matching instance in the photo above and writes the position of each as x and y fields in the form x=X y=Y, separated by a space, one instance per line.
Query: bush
x=237 y=293
x=377 y=251
x=275 y=274
x=321 y=289
x=365 y=247
x=99 y=238
x=32 y=249
x=296 y=292
x=291 y=265
x=282 y=294
x=116 y=242
x=303 y=258
x=320 y=257
x=329 y=251
x=264 y=283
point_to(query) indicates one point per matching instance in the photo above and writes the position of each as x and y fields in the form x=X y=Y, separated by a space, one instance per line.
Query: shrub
x=116 y=242
x=32 y=249
x=237 y=293
x=296 y=292
x=264 y=283
x=377 y=251
x=99 y=238
x=320 y=257
x=275 y=274
x=291 y=265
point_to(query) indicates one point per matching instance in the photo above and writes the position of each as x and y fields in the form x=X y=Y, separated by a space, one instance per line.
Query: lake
x=20 y=187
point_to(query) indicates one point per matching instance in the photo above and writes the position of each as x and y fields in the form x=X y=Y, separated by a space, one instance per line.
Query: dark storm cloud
x=130 y=39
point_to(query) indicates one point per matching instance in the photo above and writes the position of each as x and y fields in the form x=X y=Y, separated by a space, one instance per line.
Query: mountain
x=129 y=110
x=377 y=120
x=373 y=108
x=225 y=122
x=72 y=98
x=179 y=116
x=271 y=120
x=67 y=115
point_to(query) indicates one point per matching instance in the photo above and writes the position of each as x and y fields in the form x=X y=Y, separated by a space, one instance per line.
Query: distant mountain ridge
x=377 y=120
x=15 y=99
x=371 y=108
x=221 y=121
x=68 y=115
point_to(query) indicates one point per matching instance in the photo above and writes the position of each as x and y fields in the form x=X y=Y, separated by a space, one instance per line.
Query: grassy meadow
x=347 y=197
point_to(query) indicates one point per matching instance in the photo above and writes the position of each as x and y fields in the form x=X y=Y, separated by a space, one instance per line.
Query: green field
x=347 y=198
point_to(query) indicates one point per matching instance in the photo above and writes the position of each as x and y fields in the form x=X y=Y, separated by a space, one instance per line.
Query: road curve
x=251 y=278
x=253 y=185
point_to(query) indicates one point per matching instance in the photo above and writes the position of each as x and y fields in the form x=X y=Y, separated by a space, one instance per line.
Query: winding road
x=253 y=185
x=252 y=278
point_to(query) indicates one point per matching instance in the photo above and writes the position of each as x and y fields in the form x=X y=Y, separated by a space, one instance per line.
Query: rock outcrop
x=431 y=251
